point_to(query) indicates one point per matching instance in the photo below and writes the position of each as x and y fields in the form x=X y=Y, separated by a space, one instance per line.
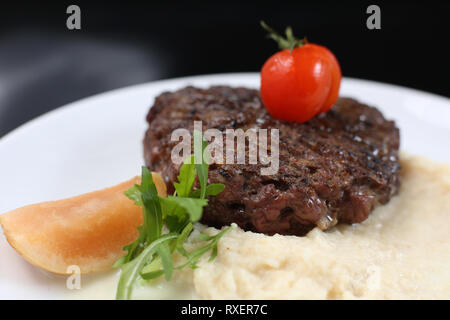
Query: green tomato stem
x=288 y=42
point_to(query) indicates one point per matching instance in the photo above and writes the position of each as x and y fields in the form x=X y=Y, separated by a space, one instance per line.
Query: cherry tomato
x=300 y=83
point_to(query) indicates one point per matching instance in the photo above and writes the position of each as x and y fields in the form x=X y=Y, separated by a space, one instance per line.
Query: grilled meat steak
x=334 y=168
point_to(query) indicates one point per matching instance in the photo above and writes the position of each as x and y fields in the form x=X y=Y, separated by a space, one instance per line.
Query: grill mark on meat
x=279 y=185
x=337 y=167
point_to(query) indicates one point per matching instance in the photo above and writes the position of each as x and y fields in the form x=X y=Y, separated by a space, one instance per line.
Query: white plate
x=97 y=142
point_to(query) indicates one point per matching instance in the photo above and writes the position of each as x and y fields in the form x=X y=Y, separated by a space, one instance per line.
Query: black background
x=276 y=309
x=43 y=65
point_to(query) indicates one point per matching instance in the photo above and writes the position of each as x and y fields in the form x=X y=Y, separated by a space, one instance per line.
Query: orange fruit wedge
x=89 y=230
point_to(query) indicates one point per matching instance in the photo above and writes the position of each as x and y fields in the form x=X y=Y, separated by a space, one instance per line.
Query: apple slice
x=89 y=230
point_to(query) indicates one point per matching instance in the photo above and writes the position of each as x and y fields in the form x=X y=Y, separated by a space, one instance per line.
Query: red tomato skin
x=336 y=76
x=297 y=85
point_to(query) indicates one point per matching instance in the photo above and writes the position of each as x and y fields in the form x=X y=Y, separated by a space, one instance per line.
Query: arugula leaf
x=134 y=193
x=152 y=207
x=166 y=259
x=153 y=270
x=122 y=260
x=200 y=163
x=130 y=270
x=194 y=256
x=184 y=235
x=175 y=216
x=193 y=207
x=152 y=274
x=148 y=230
x=150 y=256
x=211 y=190
x=186 y=178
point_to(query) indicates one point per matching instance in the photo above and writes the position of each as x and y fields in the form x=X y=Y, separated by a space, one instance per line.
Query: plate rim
x=74 y=104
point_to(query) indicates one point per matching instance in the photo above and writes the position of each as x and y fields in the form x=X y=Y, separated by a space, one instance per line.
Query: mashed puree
x=402 y=251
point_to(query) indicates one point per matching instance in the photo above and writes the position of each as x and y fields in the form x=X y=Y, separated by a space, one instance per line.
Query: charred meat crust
x=334 y=168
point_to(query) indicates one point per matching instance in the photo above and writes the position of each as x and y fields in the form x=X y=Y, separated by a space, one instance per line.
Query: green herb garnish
x=150 y=256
